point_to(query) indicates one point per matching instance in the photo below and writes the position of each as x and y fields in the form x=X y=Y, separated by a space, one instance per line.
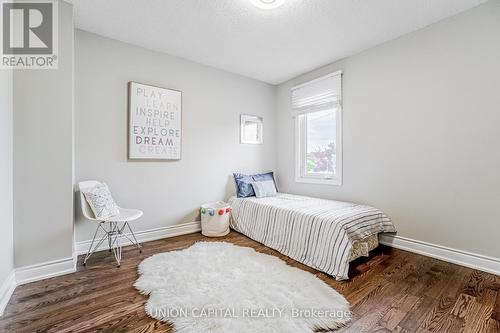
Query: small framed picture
x=251 y=130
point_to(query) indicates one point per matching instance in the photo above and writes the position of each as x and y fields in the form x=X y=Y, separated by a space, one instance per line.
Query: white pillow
x=264 y=189
x=101 y=202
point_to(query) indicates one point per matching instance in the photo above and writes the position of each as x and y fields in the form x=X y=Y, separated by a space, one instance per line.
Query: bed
x=323 y=234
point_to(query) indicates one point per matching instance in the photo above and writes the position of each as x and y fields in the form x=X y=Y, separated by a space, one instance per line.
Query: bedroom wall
x=6 y=199
x=421 y=135
x=43 y=156
x=169 y=193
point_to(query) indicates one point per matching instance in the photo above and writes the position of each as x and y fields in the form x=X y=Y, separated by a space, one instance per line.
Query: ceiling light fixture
x=267 y=4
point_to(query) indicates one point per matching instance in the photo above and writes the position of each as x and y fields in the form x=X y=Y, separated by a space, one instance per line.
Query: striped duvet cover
x=316 y=232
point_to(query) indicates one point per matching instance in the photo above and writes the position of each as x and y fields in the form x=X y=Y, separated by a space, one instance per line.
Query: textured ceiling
x=268 y=45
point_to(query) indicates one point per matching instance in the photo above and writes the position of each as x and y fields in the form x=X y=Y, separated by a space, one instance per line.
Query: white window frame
x=301 y=176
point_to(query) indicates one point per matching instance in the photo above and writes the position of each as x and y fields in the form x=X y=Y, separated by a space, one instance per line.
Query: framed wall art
x=155 y=123
x=251 y=129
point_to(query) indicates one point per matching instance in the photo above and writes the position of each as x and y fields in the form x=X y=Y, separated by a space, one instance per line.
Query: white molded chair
x=116 y=225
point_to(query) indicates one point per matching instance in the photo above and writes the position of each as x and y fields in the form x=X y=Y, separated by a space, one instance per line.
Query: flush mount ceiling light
x=267 y=4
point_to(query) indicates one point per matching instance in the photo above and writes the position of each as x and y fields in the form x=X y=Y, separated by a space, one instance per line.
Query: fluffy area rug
x=218 y=287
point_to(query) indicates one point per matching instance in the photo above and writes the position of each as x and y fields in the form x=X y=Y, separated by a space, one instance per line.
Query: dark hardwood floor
x=393 y=290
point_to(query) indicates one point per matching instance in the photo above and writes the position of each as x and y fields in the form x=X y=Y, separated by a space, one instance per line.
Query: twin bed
x=323 y=234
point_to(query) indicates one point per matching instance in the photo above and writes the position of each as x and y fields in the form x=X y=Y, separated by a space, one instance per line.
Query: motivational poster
x=155 y=119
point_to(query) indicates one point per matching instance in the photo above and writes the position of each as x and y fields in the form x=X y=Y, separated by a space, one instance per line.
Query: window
x=317 y=108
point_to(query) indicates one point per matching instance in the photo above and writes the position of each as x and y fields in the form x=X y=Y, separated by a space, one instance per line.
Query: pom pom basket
x=215 y=219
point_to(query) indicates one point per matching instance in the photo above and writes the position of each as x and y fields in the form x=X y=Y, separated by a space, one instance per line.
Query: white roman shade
x=323 y=93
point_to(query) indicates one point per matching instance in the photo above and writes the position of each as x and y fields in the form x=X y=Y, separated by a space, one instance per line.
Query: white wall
x=421 y=132
x=43 y=148
x=6 y=200
x=169 y=193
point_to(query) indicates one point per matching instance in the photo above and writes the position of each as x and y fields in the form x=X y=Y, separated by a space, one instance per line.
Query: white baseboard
x=6 y=290
x=459 y=257
x=44 y=270
x=147 y=235
x=54 y=268
x=50 y=269
x=27 y=274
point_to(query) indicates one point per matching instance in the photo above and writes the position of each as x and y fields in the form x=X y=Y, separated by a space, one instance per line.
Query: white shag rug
x=218 y=287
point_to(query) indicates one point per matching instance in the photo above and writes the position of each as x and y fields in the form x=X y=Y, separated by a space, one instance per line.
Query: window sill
x=320 y=181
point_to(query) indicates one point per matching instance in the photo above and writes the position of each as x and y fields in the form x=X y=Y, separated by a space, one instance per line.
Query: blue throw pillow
x=243 y=182
x=244 y=187
x=264 y=176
